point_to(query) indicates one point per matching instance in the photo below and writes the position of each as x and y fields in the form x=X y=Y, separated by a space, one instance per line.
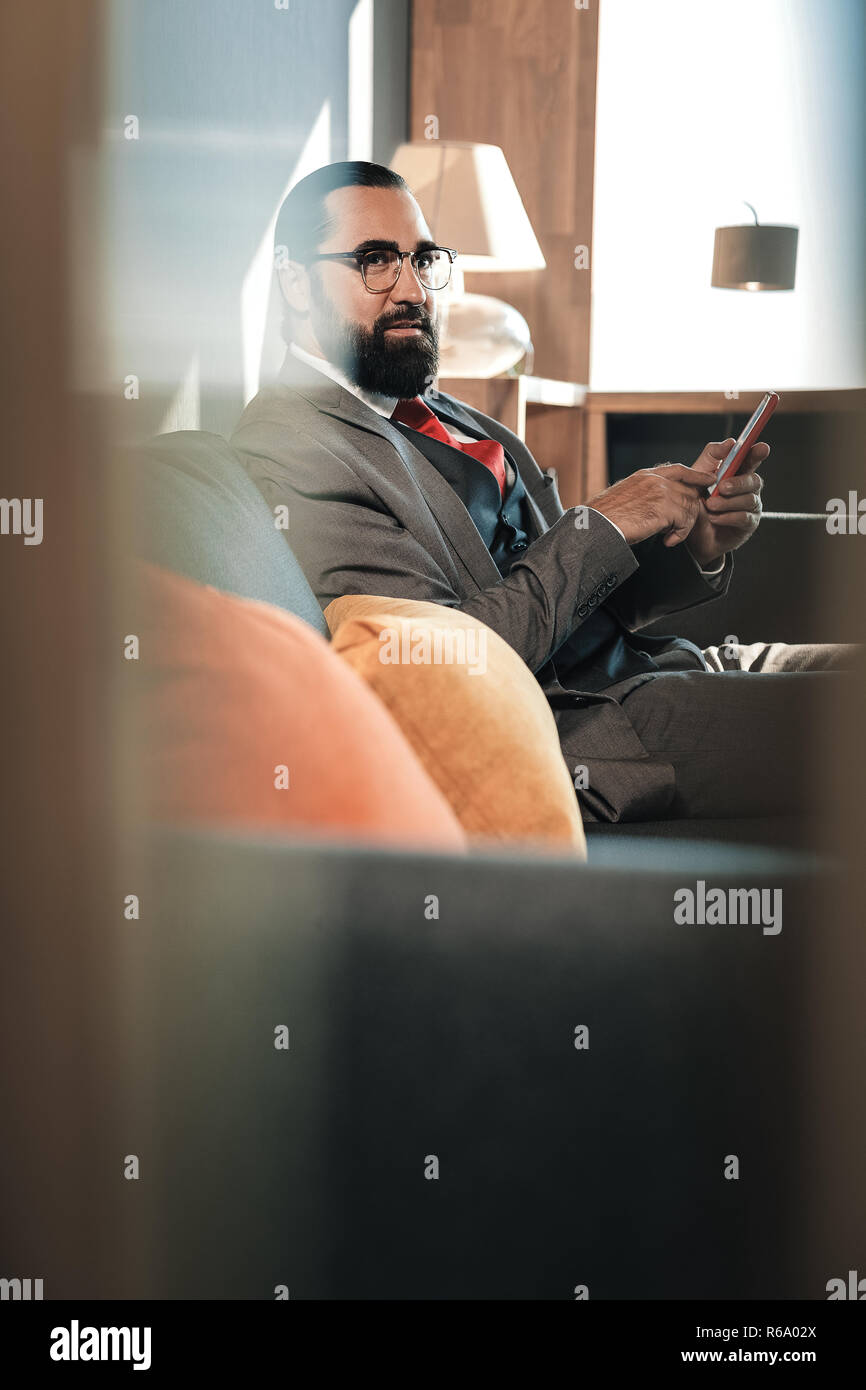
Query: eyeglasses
x=382 y=267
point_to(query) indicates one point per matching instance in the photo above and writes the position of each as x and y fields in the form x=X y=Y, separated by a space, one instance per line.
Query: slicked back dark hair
x=303 y=223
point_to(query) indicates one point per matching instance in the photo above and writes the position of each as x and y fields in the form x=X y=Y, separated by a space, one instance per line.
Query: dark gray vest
x=505 y=524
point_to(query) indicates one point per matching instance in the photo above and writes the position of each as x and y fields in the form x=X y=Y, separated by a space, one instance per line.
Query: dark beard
x=374 y=363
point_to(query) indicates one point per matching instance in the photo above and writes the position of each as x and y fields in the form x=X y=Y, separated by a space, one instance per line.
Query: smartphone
x=750 y=435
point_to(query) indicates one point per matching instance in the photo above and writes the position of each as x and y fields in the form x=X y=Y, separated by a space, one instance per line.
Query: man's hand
x=666 y=499
x=728 y=518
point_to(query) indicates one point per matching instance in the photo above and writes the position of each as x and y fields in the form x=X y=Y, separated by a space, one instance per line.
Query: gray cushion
x=196 y=511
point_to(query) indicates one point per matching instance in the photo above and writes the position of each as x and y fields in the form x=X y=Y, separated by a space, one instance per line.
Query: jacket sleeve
x=347 y=542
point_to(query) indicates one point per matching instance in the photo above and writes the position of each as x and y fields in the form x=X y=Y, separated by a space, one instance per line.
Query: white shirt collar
x=383 y=405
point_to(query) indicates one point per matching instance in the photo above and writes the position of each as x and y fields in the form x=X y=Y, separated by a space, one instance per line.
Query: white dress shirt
x=385 y=405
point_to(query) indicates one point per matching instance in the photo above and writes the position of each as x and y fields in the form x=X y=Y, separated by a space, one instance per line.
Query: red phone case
x=750 y=435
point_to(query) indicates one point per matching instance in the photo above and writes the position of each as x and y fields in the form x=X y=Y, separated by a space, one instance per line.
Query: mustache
x=417 y=316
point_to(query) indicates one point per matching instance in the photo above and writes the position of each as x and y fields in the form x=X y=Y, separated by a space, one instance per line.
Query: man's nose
x=408 y=289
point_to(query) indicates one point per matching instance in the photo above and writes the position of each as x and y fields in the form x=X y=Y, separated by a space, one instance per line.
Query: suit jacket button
x=518 y=545
x=582 y=610
x=592 y=600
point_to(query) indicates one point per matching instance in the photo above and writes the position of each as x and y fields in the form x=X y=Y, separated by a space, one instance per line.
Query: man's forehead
x=364 y=214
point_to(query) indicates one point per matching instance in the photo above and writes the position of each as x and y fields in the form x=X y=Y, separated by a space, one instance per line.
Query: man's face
x=384 y=342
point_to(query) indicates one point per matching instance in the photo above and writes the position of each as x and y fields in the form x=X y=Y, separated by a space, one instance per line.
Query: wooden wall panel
x=555 y=437
x=500 y=397
x=521 y=74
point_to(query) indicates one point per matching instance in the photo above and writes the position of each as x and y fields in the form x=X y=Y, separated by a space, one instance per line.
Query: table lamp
x=470 y=200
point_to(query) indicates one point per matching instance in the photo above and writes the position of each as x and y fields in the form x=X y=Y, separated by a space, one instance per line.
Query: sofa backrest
x=196 y=511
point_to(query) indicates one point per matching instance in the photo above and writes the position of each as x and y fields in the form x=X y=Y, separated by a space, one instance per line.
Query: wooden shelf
x=542 y=390
x=717 y=402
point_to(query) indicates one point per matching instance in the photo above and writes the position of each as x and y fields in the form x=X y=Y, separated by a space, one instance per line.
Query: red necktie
x=420 y=417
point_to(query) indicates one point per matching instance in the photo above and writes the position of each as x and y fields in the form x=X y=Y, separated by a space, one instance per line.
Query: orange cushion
x=232 y=691
x=472 y=710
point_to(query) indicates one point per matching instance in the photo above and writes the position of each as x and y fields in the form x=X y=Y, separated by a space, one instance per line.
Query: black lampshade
x=755 y=257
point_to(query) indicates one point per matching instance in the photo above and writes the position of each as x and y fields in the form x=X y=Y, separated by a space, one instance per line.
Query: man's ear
x=295 y=286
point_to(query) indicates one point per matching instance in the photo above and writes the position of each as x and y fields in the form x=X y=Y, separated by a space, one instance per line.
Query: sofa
x=554 y=1089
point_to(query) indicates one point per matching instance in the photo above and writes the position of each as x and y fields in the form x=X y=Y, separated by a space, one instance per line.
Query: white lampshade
x=471 y=202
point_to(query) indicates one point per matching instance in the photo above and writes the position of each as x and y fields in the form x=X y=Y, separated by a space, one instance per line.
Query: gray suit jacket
x=369 y=514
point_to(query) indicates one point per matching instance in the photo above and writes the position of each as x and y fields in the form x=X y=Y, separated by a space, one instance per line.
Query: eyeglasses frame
x=357 y=257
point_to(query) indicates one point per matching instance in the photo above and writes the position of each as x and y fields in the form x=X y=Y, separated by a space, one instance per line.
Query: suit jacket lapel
x=331 y=399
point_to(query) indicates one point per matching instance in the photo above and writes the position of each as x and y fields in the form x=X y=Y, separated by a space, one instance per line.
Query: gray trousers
x=741 y=736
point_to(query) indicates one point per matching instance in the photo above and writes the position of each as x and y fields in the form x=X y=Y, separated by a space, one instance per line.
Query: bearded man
x=395 y=488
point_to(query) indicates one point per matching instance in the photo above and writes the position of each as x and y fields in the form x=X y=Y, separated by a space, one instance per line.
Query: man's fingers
x=716 y=505
x=740 y=483
x=676 y=535
x=716 y=452
x=680 y=530
x=713 y=454
x=739 y=518
x=694 y=476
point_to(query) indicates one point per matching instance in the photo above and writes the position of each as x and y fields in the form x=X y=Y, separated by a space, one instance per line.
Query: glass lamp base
x=481 y=337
